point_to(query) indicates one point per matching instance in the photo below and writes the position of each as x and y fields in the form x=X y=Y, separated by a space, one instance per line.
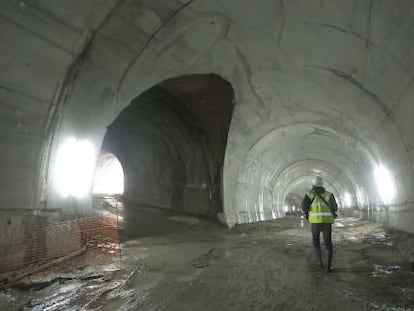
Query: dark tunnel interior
x=170 y=141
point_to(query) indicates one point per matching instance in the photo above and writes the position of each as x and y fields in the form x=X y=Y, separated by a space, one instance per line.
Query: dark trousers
x=326 y=230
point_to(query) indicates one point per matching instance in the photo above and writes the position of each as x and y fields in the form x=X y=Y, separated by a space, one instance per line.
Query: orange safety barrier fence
x=26 y=246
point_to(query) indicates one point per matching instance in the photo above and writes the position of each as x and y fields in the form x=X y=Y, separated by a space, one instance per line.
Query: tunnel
x=170 y=141
x=218 y=115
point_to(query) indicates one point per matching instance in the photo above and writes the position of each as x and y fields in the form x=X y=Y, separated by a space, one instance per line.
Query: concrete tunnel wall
x=320 y=87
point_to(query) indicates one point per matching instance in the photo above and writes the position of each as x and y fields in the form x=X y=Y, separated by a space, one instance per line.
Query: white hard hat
x=317 y=181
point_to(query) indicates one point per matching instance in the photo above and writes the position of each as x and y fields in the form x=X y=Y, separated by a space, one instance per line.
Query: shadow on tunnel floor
x=144 y=221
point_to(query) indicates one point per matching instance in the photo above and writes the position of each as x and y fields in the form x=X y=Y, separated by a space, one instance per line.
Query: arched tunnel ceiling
x=326 y=84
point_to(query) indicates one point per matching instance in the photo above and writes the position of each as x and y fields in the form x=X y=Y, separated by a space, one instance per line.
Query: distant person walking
x=319 y=207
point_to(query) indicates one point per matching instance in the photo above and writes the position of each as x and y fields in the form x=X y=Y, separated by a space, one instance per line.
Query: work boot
x=318 y=255
x=330 y=255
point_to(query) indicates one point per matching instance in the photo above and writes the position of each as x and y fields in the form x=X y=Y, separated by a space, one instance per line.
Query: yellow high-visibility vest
x=320 y=212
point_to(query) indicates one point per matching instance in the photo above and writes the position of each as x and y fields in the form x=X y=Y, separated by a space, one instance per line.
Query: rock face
x=319 y=88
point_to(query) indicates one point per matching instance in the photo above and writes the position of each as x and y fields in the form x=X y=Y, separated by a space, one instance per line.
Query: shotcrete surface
x=262 y=266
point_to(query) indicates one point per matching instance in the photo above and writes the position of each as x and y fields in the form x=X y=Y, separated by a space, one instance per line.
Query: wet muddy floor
x=262 y=266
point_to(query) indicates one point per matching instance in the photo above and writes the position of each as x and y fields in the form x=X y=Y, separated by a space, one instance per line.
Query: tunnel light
x=74 y=167
x=385 y=184
x=347 y=199
x=109 y=176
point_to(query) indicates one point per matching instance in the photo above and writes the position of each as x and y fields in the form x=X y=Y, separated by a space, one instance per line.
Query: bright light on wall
x=362 y=197
x=109 y=175
x=75 y=165
x=347 y=199
x=385 y=184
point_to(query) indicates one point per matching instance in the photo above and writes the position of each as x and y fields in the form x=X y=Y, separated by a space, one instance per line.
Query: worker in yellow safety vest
x=319 y=207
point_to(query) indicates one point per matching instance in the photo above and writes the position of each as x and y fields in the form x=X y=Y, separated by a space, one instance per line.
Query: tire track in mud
x=253 y=275
x=263 y=268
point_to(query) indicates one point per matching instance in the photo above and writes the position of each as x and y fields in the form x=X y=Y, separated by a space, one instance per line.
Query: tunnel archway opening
x=292 y=204
x=109 y=176
x=281 y=174
x=171 y=142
